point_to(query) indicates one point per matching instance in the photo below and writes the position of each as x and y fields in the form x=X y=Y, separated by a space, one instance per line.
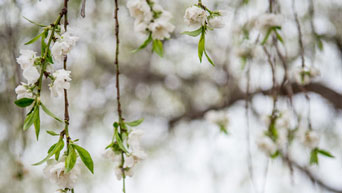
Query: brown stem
x=116 y=61
x=66 y=102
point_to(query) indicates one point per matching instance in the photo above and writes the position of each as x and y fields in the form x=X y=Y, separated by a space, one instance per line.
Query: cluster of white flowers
x=305 y=75
x=60 y=78
x=266 y=145
x=63 y=46
x=151 y=17
x=130 y=160
x=266 y=21
x=26 y=61
x=56 y=172
x=218 y=117
x=60 y=82
x=311 y=139
x=196 y=16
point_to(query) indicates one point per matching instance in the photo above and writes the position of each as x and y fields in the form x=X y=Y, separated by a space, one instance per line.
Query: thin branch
x=305 y=171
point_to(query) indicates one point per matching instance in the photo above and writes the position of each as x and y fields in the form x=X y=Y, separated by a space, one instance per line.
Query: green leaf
x=52 y=133
x=314 y=157
x=24 y=102
x=135 y=123
x=275 y=154
x=201 y=45
x=223 y=129
x=52 y=147
x=85 y=157
x=48 y=112
x=208 y=58
x=119 y=141
x=146 y=42
x=319 y=42
x=70 y=161
x=267 y=36
x=29 y=119
x=40 y=25
x=56 y=149
x=157 y=46
x=110 y=145
x=279 y=36
x=193 y=33
x=36 y=121
x=325 y=153
x=35 y=38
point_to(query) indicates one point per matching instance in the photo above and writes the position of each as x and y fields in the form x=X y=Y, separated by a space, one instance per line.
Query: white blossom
x=216 y=22
x=305 y=75
x=61 y=82
x=266 y=145
x=63 y=46
x=26 y=59
x=140 y=27
x=311 y=139
x=195 y=16
x=31 y=74
x=56 y=172
x=23 y=92
x=267 y=20
x=217 y=117
x=140 y=10
x=161 y=28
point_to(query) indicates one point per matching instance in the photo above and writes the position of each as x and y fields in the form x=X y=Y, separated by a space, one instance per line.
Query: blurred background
x=186 y=152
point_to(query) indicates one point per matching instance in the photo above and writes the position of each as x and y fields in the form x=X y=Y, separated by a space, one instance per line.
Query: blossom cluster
x=199 y=16
x=56 y=172
x=124 y=163
x=33 y=70
x=150 y=17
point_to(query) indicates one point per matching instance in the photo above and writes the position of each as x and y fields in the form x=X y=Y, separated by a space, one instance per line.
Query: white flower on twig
x=56 y=172
x=195 y=16
x=305 y=75
x=161 y=28
x=311 y=139
x=61 y=81
x=266 y=145
x=23 y=92
x=140 y=10
x=63 y=46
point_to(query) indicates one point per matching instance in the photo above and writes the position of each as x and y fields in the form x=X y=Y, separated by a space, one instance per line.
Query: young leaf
x=275 y=154
x=29 y=118
x=48 y=112
x=40 y=25
x=201 y=45
x=71 y=159
x=325 y=153
x=56 y=149
x=34 y=39
x=146 y=42
x=313 y=157
x=135 y=123
x=193 y=33
x=85 y=157
x=157 y=46
x=119 y=141
x=52 y=133
x=279 y=36
x=267 y=35
x=36 y=121
x=52 y=147
x=223 y=129
x=208 y=58
x=24 y=102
